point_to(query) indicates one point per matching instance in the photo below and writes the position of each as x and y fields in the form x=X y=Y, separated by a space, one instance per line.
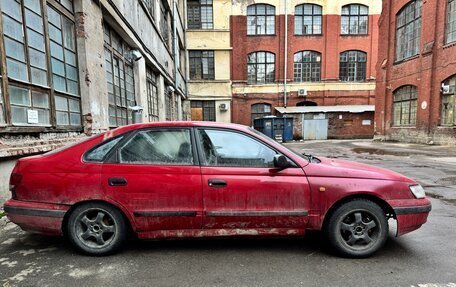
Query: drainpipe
x=285 y=57
x=176 y=61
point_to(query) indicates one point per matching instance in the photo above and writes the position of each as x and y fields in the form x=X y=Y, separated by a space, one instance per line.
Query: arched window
x=408 y=30
x=306 y=104
x=260 y=68
x=307 y=66
x=260 y=111
x=354 y=19
x=404 y=106
x=449 y=102
x=352 y=66
x=308 y=19
x=260 y=19
x=450 y=33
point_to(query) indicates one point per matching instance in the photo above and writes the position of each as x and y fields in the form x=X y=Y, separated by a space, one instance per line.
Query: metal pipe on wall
x=285 y=65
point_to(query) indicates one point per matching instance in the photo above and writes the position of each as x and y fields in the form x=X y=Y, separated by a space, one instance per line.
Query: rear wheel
x=96 y=228
x=358 y=228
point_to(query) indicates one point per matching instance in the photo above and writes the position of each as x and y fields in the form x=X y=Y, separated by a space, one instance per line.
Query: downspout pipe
x=176 y=62
x=285 y=51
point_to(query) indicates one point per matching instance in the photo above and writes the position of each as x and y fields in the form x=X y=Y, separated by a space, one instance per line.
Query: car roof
x=173 y=124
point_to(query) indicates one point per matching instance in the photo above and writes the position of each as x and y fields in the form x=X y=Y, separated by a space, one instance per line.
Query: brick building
x=72 y=68
x=416 y=72
x=326 y=50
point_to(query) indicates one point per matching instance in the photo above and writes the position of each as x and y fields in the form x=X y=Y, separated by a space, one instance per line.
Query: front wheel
x=96 y=228
x=357 y=228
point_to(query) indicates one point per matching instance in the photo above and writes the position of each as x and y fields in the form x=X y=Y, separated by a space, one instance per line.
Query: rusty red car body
x=176 y=201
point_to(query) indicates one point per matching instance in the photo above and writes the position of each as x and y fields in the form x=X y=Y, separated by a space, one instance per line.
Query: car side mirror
x=280 y=161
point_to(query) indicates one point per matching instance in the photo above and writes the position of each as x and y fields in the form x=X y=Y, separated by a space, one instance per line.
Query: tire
x=96 y=228
x=357 y=229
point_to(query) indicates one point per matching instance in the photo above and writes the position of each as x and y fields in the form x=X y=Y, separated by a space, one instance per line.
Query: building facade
x=209 y=52
x=72 y=68
x=416 y=72
x=306 y=53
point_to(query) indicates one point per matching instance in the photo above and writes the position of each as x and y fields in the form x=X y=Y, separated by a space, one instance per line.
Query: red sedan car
x=198 y=179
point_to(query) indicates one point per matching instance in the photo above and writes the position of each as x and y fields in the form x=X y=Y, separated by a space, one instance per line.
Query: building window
x=201 y=65
x=352 y=67
x=2 y=108
x=168 y=105
x=203 y=110
x=25 y=102
x=260 y=68
x=451 y=22
x=354 y=20
x=119 y=78
x=408 y=30
x=404 y=106
x=200 y=15
x=63 y=53
x=307 y=66
x=67 y=111
x=27 y=58
x=152 y=95
x=164 y=25
x=449 y=102
x=68 y=4
x=150 y=7
x=260 y=19
x=259 y=111
x=308 y=19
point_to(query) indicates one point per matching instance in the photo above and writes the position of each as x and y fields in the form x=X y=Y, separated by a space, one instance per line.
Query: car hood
x=347 y=169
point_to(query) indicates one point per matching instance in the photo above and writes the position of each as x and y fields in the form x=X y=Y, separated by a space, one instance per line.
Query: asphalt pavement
x=425 y=258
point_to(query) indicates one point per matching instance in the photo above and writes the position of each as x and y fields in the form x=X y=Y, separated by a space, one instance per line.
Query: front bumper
x=410 y=214
x=43 y=218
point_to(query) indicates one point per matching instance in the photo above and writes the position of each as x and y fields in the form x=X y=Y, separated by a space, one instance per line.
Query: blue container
x=277 y=128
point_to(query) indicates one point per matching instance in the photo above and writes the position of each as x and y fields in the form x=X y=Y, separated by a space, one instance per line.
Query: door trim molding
x=257 y=213
x=164 y=213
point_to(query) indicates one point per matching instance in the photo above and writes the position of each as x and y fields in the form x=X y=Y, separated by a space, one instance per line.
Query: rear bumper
x=36 y=217
x=410 y=214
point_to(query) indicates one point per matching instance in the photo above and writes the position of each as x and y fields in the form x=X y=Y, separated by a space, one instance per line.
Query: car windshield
x=268 y=139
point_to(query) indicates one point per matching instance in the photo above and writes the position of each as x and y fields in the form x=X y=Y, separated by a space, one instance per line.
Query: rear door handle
x=117 y=181
x=217 y=183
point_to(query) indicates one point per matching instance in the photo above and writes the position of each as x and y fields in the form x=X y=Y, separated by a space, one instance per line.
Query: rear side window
x=158 y=147
x=99 y=153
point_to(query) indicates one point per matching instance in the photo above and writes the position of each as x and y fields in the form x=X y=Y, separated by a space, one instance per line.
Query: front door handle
x=117 y=181
x=216 y=183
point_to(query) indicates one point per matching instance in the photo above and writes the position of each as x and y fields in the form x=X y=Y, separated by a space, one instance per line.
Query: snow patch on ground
x=103 y=271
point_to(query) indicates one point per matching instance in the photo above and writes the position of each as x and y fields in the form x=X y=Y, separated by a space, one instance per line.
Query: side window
x=225 y=148
x=99 y=153
x=160 y=147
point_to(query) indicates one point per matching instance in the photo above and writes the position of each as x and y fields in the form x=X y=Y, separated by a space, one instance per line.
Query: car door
x=241 y=187
x=156 y=175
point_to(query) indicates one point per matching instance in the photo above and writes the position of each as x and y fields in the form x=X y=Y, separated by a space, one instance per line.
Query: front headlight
x=417 y=190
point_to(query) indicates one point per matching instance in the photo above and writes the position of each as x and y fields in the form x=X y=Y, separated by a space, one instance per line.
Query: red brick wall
x=340 y=125
x=350 y=126
x=427 y=71
x=241 y=104
x=330 y=45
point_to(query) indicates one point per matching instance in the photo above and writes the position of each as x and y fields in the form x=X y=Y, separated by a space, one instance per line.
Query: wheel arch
x=128 y=219
x=387 y=209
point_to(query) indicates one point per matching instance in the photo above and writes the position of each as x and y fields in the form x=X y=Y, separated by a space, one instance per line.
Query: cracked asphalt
x=425 y=258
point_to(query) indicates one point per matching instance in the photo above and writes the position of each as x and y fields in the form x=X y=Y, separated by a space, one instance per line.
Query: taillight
x=15 y=180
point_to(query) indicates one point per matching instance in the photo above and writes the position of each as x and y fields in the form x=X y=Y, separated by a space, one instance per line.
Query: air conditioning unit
x=302 y=92
x=223 y=108
x=447 y=89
